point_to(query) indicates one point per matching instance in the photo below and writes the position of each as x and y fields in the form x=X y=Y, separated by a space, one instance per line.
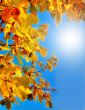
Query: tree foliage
x=16 y=22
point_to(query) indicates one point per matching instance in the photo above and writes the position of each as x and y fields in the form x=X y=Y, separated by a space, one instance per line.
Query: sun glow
x=70 y=41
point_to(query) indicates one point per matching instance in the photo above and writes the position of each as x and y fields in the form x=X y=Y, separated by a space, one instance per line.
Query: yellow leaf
x=24 y=92
x=43 y=52
x=49 y=104
x=34 y=58
x=67 y=6
x=58 y=17
x=4 y=90
x=18 y=73
x=4 y=48
x=7 y=28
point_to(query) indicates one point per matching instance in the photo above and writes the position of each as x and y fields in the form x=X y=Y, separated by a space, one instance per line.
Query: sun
x=70 y=40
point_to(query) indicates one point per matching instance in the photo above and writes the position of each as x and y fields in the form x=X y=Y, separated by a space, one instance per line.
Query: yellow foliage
x=4 y=89
x=18 y=73
x=23 y=92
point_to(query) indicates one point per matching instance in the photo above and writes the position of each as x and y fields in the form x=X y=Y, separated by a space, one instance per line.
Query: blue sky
x=68 y=77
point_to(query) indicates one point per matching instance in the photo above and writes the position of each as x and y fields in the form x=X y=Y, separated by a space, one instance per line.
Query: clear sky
x=68 y=77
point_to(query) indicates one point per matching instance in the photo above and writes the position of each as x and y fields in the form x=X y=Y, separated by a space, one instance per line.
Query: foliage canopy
x=16 y=22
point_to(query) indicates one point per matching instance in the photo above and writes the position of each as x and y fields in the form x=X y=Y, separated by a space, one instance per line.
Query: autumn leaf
x=49 y=104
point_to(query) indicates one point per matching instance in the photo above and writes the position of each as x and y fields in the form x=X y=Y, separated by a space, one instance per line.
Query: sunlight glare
x=70 y=41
